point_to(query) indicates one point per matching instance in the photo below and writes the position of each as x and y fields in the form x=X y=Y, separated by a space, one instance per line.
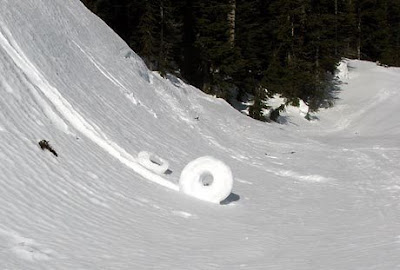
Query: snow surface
x=306 y=195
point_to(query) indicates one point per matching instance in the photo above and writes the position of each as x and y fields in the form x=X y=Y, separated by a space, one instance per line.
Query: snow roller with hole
x=207 y=179
x=153 y=162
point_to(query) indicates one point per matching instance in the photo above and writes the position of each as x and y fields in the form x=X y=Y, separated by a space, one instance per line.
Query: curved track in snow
x=66 y=110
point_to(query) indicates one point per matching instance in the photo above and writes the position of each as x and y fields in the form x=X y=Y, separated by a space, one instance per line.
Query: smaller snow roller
x=206 y=178
x=153 y=162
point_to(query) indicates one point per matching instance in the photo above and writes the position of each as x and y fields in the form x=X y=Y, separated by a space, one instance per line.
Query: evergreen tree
x=215 y=48
x=289 y=47
x=256 y=110
x=390 y=48
x=147 y=34
x=190 y=63
x=308 y=50
x=253 y=45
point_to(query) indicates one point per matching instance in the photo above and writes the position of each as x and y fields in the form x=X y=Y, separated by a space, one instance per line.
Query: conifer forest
x=236 y=49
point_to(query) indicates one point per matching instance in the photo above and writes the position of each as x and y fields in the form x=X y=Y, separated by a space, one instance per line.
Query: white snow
x=290 y=111
x=343 y=70
x=306 y=195
x=207 y=179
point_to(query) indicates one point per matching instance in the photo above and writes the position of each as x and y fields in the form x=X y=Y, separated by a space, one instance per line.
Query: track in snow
x=67 y=112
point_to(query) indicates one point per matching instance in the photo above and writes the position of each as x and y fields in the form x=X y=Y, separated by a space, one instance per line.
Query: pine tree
x=256 y=110
x=253 y=44
x=390 y=22
x=213 y=43
x=147 y=34
x=168 y=28
x=289 y=47
x=289 y=72
x=190 y=62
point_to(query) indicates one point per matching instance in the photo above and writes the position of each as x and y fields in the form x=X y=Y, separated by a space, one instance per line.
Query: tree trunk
x=231 y=22
x=359 y=34
x=290 y=56
x=336 y=27
x=161 y=60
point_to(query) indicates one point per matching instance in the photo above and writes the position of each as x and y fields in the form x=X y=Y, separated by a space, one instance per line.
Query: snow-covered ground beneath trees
x=306 y=195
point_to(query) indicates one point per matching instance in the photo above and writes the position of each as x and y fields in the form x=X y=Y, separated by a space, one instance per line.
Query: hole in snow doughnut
x=207 y=179
x=153 y=162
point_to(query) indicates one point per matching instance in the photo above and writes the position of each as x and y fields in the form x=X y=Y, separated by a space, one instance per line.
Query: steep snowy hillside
x=306 y=195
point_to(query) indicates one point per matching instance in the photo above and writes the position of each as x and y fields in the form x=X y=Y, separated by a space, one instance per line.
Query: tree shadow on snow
x=231 y=198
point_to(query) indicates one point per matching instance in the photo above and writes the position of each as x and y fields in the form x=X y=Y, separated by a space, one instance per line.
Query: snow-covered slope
x=319 y=195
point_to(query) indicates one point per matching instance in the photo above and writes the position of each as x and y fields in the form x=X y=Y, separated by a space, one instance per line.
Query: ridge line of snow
x=109 y=76
x=128 y=94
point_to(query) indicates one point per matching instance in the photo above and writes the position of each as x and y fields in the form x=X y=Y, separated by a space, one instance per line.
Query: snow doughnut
x=153 y=162
x=207 y=179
